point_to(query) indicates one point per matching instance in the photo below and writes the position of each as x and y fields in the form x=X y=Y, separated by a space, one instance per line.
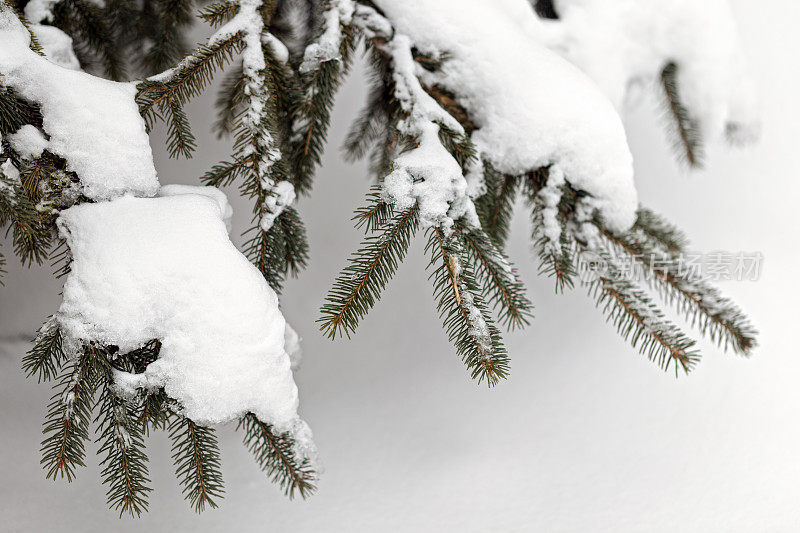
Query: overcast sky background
x=586 y=435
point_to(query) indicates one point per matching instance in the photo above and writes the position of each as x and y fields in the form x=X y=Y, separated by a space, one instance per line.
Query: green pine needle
x=495 y=207
x=314 y=113
x=639 y=321
x=66 y=425
x=715 y=316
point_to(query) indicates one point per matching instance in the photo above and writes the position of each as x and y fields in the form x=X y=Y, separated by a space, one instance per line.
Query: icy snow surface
x=621 y=42
x=164 y=268
x=532 y=107
x=94 y=124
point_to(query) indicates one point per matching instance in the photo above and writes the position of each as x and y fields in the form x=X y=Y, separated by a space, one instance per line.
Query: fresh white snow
x=94 y=124
x=532 y=108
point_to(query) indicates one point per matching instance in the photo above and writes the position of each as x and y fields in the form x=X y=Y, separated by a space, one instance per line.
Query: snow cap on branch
x=326 y=47
x=620 y=42
x=94 y=124
x=428 y=174
x=532 y=108
x=28 y=142
x=164 y=268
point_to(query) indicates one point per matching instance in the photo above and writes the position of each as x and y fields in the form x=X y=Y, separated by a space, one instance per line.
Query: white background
x=586 y=435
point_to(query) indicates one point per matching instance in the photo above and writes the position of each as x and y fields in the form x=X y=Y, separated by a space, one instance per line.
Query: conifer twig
x=466 y=320
x=688 y=142
x=359 y=285
x=195 y=451
x=275 y=453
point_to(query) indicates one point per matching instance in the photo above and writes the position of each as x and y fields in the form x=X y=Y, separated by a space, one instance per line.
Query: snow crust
x=532 y=108
x=624 y=43
x=56 y=45
x=164 y=268
x=28 y=142
x=291 y=342
x=212 y=193
x=94 y=124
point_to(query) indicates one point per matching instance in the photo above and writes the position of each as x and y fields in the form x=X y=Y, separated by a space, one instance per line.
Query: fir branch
x=159 y=96
x=359 y=285
x=372 y=123
x=61 y=259
x=15 y=112
x=555 y=252
x=276 y=456
x=715 y=316
x=495 y=207
x=638 y=320
x=295 y=241
x=180 y=140
x=466 y=320
x=687 y=132
x=125 y=464
x=229 y=100
x=660 y=232
x=195 y=451
x=174 y=16
x=92 y=33
x=46 y=356
x=31 y=232
x=154 y=412
x=66 y=426
x=36 y=172
x=154 y=408
x=501 y=285
x=265 y=250
x=225 y=173
x=281 y=251
x=314 y=113
x=219 y=13
x=375 y=213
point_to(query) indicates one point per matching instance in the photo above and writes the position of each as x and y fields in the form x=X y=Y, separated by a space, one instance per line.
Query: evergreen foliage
x=462 y=309
x=94 y=37
x=195 y=451
x=278 y=116
x=275 y=454
x=687 y=136
x=310 y=127
x=360 y=284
